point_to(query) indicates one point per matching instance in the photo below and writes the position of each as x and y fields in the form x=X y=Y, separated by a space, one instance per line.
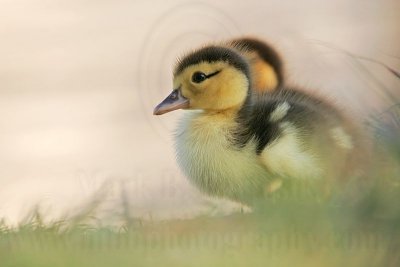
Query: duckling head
x=213 y=79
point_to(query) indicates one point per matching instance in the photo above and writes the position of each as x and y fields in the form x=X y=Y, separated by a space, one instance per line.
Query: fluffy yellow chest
x=207 y=157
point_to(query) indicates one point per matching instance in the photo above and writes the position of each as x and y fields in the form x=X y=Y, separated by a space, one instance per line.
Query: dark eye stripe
x=213 y=74
x=199 y=77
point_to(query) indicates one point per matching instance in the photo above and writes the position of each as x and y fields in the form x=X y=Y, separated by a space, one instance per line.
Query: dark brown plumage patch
x=214 y=54
x=306 y=113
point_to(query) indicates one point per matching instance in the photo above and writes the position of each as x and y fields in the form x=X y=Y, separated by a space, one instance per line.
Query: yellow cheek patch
x=225 y=90
x=228 y=90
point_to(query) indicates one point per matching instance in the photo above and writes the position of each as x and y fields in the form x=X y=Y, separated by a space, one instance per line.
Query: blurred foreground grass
x=292 y=233
x=350 y=228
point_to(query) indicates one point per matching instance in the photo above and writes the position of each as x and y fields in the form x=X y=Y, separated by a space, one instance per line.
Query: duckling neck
x=230 y=113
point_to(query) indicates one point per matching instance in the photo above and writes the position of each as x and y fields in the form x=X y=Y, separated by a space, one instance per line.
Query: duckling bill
x=235 y=140
x=174 y=101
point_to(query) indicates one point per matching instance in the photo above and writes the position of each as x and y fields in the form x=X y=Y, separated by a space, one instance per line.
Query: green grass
x=298 y=232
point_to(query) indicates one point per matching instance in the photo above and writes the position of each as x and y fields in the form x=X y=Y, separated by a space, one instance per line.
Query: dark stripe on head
x=265 y=51
x=214 y=54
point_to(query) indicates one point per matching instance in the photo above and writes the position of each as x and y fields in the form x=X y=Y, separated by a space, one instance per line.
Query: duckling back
x=300 y=135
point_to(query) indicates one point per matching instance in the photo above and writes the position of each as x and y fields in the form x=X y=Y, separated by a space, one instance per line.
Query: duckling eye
x=198 y=77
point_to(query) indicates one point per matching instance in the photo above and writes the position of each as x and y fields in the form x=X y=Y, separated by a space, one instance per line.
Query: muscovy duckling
x=238 y=141
x=265 y=63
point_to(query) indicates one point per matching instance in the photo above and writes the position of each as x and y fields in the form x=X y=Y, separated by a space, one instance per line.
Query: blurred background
x=79 y=80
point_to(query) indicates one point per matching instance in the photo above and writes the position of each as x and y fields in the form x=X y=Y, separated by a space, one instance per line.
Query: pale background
x=79 y=80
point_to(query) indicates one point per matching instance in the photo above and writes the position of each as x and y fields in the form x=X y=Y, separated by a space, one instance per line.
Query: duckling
x=236 y=141
x=266 y=65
